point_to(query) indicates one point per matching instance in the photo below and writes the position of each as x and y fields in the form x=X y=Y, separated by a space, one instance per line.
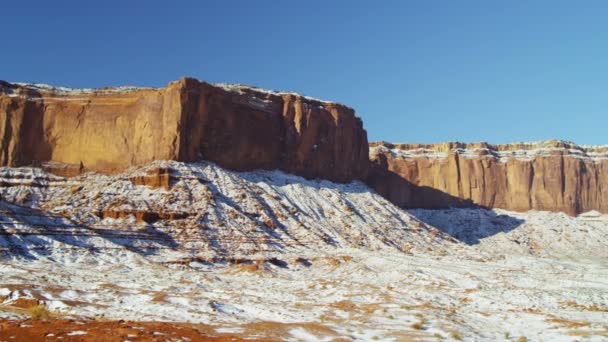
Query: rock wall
x=242 y=128
x=552 y=175
x=68 y=131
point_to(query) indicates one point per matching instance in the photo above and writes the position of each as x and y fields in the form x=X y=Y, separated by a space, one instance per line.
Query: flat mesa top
x=15 y=89
x=502 y=152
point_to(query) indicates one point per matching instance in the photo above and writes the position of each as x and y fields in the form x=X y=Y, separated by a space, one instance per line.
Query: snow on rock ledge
x=503 y=152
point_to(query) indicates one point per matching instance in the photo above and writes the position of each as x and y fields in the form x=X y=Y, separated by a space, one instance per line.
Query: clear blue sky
x=415 y=71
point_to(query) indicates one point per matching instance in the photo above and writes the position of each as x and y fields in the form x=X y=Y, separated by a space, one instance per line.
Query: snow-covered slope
x=274 y=256
x=541 y=233
x=207 y=212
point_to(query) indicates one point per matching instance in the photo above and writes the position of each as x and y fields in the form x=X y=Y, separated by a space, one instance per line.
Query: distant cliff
x=551 y=175
x=241 y=128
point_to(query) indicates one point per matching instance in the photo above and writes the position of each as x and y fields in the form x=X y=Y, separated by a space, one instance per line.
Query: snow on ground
x=217 y=212
x=352 y=293
x=270 y=255
x=540 y=233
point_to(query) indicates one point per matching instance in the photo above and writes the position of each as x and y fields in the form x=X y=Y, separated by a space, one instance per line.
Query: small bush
x=38 y=312
x=418 y=326
x=159 y=297
x=456 y=335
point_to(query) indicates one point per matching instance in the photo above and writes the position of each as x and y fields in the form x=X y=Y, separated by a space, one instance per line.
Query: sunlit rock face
x=551 y=175
x=242 y=128
x=69 y=131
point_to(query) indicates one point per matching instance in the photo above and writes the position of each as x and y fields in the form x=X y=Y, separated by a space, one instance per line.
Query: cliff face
x=242 y=128
x=552 y=175
x=245 y=128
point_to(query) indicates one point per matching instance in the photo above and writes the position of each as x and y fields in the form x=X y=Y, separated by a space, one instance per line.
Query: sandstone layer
x=551 y=175
x=239 y=127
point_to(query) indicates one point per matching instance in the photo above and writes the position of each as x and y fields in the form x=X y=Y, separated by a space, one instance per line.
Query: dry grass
x=407 y=248
x=38 y=312
x=418 y=326
x=344 y=305
x=456 y=335
x=568 y=323
x=465 y=300
x=587 y=333
x=532 y=311
x=253 y=267
x=75 y=188
x=159 y=297
x=425 y=305
x=582 y=307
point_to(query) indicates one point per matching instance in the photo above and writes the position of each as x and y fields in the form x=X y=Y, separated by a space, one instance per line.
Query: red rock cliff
x=242 y=128
x=552 y=175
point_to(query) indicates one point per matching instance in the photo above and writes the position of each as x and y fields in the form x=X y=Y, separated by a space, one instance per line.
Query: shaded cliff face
x=552 y=175
x=242 y=128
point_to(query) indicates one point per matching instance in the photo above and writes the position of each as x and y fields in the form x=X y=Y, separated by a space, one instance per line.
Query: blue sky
x=415 y=71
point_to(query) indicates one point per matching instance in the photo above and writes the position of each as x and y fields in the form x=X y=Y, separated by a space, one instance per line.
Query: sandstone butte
x=241 y=128
x=244 y=128
x=551 y=175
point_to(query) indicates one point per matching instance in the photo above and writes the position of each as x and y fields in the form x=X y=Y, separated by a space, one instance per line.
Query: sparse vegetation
x=456 y=335
x=582 y=307
x=465 y=300
x=452 y=311
x=407 y=248
x=522 y=339
x=568 y=323
x=38 y=312
x=418 y=326
x=159 y=297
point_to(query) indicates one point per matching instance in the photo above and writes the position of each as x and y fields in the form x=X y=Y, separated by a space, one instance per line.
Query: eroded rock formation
x=239 y=127
x=551 y=175
x=155 y=178
x=68 y=131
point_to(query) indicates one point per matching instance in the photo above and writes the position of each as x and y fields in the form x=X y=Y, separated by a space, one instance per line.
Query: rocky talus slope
x=550 y=175
x=198 y=210
x=241 y=128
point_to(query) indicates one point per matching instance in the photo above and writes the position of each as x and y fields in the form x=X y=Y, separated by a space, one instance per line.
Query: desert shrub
x=456 y=335
x=418 y=326
x=159 y=297
x=38 y=312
